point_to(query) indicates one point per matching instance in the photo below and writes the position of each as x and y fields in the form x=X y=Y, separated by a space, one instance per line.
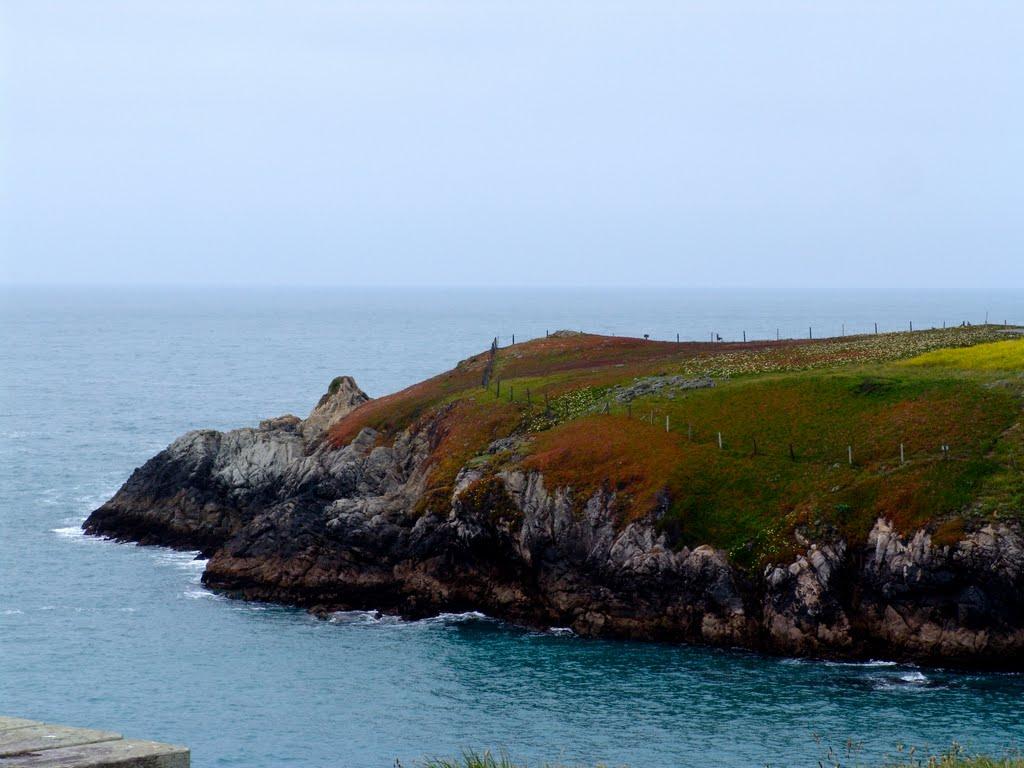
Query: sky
x=528 y=142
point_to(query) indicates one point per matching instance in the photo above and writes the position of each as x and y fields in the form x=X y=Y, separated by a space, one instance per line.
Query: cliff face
x=286 y=516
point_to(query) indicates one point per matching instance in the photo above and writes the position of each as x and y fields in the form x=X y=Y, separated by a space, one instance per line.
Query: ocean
x=93 y=381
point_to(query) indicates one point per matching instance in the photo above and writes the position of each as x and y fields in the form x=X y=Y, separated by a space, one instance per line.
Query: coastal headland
x=851 y=497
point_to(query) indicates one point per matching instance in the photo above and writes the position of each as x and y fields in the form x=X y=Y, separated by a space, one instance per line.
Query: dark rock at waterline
x=285 y=516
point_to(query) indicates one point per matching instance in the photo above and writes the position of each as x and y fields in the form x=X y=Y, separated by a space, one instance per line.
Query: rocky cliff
x=286 y=515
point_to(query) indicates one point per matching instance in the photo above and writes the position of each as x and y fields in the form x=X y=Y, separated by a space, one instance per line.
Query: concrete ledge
x=26 y=743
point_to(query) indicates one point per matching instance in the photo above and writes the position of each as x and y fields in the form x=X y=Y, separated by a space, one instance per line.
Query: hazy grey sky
x=524 y=142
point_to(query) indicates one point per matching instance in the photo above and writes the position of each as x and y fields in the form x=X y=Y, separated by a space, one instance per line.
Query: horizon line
x=659 y=287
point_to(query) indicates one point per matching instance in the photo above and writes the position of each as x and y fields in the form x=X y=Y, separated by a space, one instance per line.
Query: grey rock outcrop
x=803 y=613
x=652 y=385
x=341 y=398
x=206 y=485
x=956 y=603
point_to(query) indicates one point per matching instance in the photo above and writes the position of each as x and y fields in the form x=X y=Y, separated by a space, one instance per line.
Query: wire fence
x=814 y=332
x=851 y=452
x=548 y=413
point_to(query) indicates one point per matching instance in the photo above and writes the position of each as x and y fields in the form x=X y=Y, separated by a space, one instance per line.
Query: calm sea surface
x=123 y=637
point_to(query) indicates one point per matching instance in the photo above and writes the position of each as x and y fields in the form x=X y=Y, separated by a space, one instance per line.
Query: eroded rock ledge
x=285 y=516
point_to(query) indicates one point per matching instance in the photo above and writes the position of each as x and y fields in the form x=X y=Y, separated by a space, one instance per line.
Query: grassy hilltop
x=637 y=416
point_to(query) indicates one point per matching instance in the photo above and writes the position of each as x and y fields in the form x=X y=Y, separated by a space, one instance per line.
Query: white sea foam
x=456 y=618
x=201 y=594
x=377 y=618
x=12 y=611
x=363 y=618
x=187 y=562
x=69 y=532
x=869 y=664
x=906 y=681
x=182 y=560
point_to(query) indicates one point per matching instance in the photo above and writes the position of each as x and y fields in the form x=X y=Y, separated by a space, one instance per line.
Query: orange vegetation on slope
x=458 y=435
x=615 y=453
x=398 y=410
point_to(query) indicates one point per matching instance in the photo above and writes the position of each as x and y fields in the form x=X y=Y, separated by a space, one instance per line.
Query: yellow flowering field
x=994 y=356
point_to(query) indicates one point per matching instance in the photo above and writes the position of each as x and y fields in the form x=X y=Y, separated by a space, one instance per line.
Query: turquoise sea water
x=121 y=637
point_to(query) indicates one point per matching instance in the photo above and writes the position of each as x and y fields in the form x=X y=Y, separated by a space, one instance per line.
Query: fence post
x=666 y=422
x=719 y=441
x=792 y=455
x=810 y=333
x=513 y=338
x=777 y=334
x=876 y=329
x=849 y=454
x=911 y=326
x=901 y=453
x=744 y=337
x=755 y=445
x=677 y=338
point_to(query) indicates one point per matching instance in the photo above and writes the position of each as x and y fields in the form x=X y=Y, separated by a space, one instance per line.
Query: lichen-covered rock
x=206 y=485
x=803 y=610
x=342 y=396
x=650 y=385
x=962 y=603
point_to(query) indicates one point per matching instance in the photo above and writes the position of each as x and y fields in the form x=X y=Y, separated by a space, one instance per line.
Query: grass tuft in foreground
x=954 y=757
x=472 y=759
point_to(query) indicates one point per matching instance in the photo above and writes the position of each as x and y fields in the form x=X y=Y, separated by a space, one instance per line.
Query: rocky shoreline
x=286 y=516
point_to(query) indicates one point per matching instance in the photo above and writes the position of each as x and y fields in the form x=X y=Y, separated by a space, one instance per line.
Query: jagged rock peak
x=342 y=397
